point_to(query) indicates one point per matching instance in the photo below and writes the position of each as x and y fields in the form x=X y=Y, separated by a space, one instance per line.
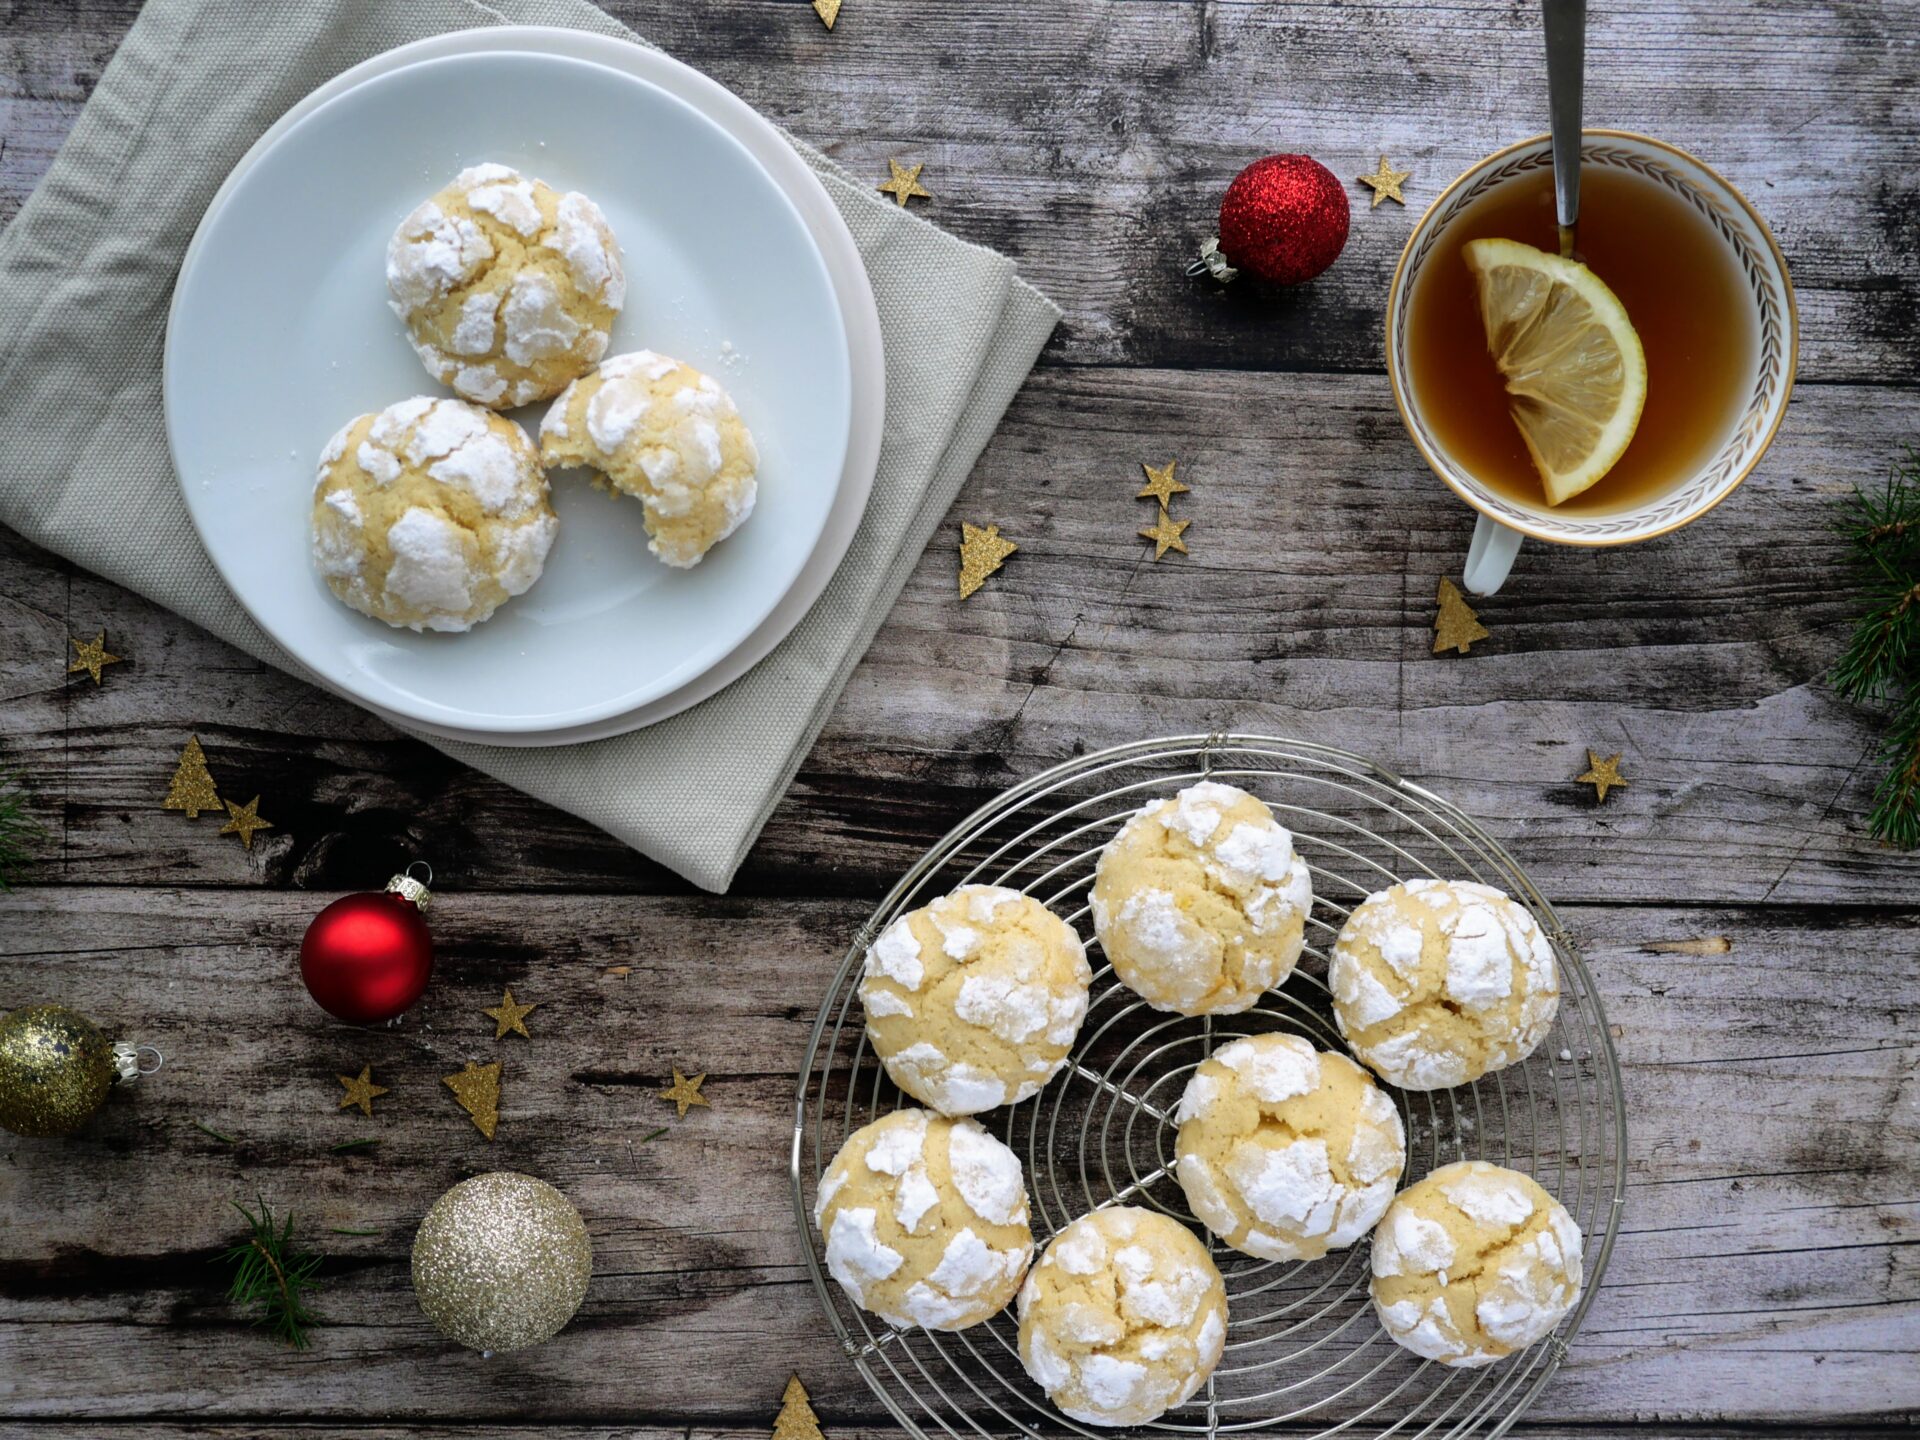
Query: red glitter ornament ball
x=367 y=957
x=1284 y=219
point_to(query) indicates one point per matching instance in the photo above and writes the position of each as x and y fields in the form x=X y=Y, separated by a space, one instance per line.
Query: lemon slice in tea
x=1576 y=375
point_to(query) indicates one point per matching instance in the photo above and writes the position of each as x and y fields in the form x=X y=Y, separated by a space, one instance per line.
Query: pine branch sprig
x=273 y=1274
x=1881 y=661
x=20 y=834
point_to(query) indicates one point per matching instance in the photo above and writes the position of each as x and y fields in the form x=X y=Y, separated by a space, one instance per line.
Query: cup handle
x=1490 y=556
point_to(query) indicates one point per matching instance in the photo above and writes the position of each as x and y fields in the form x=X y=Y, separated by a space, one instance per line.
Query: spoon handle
x=1566 y=27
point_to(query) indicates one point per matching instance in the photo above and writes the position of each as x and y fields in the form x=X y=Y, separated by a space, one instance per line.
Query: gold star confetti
x=1456 y=627
x=684 y=1092
x=1161 y=485
x=1603 y=775
x=905 y=184
x=91 y=656
x=1386 y=183
x=1165 y=534
x=509 y=1017
x=244 y=820
x=192 y=788
x=477 y=1088
x=827 y=10
x=361 y=1090
x=981 y=553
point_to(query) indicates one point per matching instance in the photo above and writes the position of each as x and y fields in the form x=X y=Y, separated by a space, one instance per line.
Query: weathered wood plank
x=1302 y=610
x=1768 y=1266
x=1092 y=140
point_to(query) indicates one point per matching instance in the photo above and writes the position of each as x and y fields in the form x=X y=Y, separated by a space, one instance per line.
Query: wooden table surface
x=1758 y=954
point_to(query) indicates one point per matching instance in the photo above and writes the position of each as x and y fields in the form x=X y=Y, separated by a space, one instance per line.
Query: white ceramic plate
x=279 y=332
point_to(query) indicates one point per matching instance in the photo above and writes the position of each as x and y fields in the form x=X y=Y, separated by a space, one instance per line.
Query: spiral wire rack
x=1303 y=1345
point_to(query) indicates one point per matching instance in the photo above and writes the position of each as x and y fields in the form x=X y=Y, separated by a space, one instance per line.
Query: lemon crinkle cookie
x=974 y=1000
x=660 y=431
x=1286 y=1152
x=1438 y=982
x=1123 y=1318
x=508 y=289
x=1201 y=902
x=430 y=514
x=925 y=1221
x=1473 y=1263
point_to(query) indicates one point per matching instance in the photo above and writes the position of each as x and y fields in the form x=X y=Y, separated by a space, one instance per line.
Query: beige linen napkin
x=86 y=271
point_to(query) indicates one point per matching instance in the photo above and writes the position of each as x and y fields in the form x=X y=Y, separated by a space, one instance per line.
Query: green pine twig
x=273 y=1274
x=1881 y=660
x=20 y=834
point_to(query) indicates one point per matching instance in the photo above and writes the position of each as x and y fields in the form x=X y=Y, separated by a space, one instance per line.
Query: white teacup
x=1503 y=521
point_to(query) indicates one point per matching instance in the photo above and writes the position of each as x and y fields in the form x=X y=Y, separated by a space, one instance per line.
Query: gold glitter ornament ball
x=55 y=1070
x=501 y=1262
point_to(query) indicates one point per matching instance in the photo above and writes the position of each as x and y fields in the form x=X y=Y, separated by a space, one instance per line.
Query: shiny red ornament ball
x=368 y=957
x=1284 y=219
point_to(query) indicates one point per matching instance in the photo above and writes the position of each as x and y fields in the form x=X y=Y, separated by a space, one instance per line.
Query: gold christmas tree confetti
x=361 y=1090
x=91 y=656
x=1161 y=485
x=1603 y=775
x=981 y=553
x=684 y=1092
x=905 y=183
x=827 y=10
x=1456 y=627
x=477 y=1088
x=796 y=1420
x=1386 y=183
x=192 y=788
x=243 y=820
x=1165 y=534
x=509 y=1018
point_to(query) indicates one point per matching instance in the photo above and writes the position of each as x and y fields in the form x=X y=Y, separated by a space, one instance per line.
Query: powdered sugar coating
x=1201 y=902
x=1436 y=983
x=508 y=290
x=430 y=514
x=924 y=1220
x=1123 y=1318
x=1473 y=1263
x=974 y=1000
x=1286 y=1152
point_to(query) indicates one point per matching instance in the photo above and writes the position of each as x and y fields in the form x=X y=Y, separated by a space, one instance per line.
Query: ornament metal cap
x=410 y=889
x=1213 y=262
x=127 y=1061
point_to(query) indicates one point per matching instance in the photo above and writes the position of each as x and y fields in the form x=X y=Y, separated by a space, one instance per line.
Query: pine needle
x=20 y=834
x=206 y=1129
x=274 y=1275
x=346 y=1146
x=1881 y=661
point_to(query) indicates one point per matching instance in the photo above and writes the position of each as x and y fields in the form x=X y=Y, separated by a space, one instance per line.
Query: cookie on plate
x=925 y=1221
x=431 y=514
x=667 y=435
x=1201 y=902
x=1286 y=1152
x=1438 y=982
x=1123 y=1318
x=974 y=1000
x=1473 y=1263
x=509 y=290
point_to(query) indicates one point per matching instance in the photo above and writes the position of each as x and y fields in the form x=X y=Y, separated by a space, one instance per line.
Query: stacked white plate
x=737 y=262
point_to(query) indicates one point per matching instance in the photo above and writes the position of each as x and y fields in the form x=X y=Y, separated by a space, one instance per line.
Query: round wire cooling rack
x=1303 y=1345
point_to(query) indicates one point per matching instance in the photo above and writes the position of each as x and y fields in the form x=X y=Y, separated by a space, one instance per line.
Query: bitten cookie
x=974 y=1000
x=1287 y=1152
x=509 y=290
x=1437 y=982
x=1473 y=1263
x=1123 y=1318
x=925 y=1221
x=431 y=514
x=1200 y=901
x=667 y=435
